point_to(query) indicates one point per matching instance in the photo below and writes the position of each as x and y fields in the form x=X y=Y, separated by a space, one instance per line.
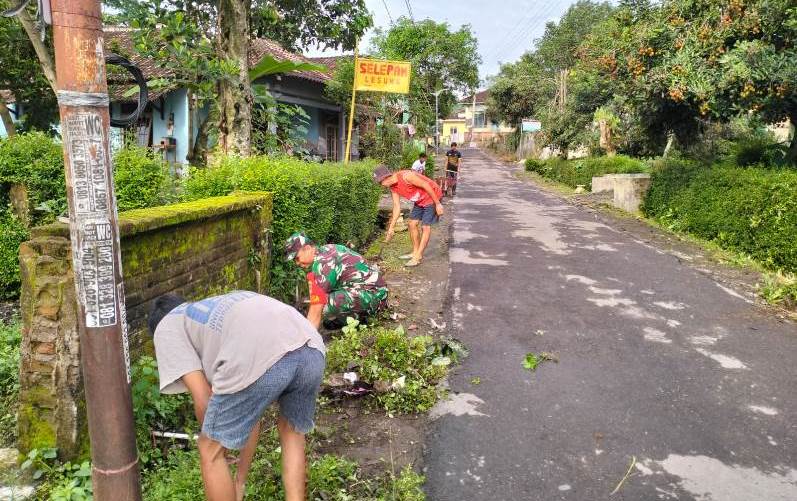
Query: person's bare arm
x=314 y=314
x=198 y=385
x=391 y=226
x=428 y=187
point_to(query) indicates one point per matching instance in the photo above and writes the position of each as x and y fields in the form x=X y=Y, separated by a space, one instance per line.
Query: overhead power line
x=409 y=10
x=535 y=23
x=388 y=11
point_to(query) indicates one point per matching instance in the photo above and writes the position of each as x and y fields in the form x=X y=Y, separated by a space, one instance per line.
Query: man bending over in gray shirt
x=236 y=354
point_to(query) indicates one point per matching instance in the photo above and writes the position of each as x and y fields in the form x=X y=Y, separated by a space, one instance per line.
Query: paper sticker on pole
x=378 y=75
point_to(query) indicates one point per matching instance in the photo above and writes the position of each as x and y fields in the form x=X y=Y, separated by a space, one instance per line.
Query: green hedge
x=751 y=210
x=581 y=171
x=12 y=234
x=330 y=201
x=36 y=161
x=140 y=179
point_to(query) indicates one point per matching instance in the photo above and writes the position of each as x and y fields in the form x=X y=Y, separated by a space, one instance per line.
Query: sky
x=505 y=29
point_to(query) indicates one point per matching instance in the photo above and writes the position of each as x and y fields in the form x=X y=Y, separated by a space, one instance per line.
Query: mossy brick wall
x=195 y=249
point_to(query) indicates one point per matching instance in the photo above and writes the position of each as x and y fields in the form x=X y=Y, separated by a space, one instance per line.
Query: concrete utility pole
x=473 y=121
x=437 y=122
x=96 y=261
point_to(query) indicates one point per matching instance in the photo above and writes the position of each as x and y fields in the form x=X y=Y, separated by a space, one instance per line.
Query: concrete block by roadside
x=603 y=183
x=629 y=189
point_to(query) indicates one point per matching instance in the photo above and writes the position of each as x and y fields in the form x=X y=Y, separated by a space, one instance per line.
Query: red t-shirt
x=414 y=194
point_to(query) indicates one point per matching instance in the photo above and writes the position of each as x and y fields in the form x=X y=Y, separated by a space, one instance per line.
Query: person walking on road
x=419 y=165
x=236 y=354
x=341 y=282
x=425 y=194
x=453 y=163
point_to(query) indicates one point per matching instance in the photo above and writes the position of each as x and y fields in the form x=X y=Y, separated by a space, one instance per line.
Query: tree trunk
x=668 y=146
x=235 y=94
x=198 y=155
x=42 y=51
x=8 y=122
x=792 y=154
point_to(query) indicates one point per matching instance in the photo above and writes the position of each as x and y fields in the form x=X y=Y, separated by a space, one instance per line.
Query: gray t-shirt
x=233 y=339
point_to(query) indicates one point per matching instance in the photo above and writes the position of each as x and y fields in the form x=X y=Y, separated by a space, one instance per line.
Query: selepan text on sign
x=383 y=76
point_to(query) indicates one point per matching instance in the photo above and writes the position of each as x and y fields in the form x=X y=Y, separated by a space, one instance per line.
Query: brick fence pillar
x=51 y=409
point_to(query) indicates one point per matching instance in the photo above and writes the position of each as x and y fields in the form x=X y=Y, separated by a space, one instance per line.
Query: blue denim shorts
x=294 y=381
x=426 y=215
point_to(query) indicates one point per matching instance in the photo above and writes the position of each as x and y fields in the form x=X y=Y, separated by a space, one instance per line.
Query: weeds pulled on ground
x=170 y=467
x=405 y=369
x=779 y=288
x=398 y=373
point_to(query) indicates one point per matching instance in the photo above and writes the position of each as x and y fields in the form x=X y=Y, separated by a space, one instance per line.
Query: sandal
x=406 y=257
x=412 y=263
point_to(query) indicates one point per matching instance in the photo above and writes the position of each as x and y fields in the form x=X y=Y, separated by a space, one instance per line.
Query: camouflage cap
x=381 y=172
x=294 y=243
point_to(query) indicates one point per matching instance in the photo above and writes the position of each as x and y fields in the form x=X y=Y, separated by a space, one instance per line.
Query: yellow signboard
x=378 y=75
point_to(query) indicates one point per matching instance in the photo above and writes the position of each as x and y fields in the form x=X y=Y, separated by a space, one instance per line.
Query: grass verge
x=387 y=254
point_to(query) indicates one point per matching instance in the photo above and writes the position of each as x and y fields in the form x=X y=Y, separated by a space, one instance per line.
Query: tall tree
x=235 y=94
x=299 y=24
x=725 y=59
x=543 y=84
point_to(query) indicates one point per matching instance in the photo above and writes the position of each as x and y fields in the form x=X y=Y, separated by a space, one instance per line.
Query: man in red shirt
x=425 y=194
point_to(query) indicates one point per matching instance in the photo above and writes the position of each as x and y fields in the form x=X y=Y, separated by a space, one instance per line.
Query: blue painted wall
x=314 y=127
x=12 y=108
x=175 y=103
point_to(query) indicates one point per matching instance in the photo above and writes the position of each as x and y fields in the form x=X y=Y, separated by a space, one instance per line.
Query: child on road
x=419 y=165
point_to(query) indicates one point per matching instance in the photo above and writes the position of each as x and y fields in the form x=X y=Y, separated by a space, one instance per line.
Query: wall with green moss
x=197 y=248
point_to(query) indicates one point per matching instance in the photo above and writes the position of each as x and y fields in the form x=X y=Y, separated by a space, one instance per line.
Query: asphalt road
x=657 y=362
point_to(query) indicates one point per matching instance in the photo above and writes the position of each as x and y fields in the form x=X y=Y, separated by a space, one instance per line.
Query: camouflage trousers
x=357 y=301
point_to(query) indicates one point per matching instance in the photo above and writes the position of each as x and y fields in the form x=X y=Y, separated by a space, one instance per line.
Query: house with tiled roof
x=170 y=125
x=331 y=62
x=327 y=125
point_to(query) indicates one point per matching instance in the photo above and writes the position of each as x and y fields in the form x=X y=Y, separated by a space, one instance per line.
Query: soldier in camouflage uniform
x=341 y=283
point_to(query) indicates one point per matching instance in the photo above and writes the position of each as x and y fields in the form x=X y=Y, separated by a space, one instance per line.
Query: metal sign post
x=93 y=225
x=347 y=158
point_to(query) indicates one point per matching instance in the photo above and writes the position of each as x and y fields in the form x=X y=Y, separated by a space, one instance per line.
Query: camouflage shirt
x=338 y=267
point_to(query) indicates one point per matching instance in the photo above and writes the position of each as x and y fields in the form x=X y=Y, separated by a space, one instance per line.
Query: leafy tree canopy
x=442 y=59
x=21 y=73
x=295 y=24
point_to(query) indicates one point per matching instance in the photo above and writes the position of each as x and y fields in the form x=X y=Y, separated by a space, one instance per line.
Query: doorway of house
x=332 y=143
